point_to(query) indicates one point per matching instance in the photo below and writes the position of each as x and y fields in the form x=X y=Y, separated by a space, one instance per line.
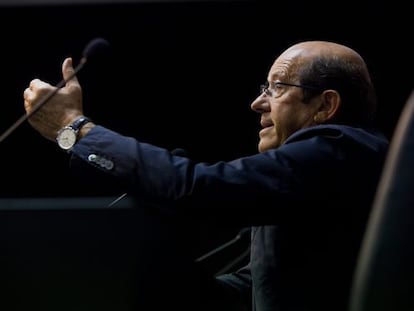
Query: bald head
x=313 y=48
x=328 y=65
x=306 y=51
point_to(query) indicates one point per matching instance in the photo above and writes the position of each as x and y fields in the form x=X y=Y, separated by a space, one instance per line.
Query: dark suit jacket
x=307 y=201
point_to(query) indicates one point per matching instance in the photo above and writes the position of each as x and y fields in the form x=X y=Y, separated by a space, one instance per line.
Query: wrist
x=85 y=129
x=69 y=135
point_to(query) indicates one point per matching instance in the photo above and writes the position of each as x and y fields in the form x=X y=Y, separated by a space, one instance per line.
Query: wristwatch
x=67 y=136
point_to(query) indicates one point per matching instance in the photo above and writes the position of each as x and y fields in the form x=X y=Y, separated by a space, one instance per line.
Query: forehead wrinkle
x=283 y=69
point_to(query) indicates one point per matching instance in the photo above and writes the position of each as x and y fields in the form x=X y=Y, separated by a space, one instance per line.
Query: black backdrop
x=177 y=74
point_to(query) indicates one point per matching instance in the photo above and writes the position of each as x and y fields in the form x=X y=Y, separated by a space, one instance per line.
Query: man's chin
x=267 y=144
x=263 y=146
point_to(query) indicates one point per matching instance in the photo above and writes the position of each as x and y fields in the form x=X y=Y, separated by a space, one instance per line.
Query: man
x=307 y=193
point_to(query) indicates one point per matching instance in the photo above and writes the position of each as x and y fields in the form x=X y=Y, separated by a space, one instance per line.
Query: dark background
x=179 y=75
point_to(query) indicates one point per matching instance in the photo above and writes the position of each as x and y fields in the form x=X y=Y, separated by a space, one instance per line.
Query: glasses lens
x=264 y=88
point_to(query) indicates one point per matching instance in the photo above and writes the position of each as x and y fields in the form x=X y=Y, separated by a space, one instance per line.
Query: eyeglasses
x=277 y=88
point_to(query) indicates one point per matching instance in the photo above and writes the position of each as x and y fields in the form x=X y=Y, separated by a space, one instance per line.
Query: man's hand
x=61 y=109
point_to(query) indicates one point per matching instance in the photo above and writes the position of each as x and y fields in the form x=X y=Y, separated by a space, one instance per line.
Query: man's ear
x=330 y=103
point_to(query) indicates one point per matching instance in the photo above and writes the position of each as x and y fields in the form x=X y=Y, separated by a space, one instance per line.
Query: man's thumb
x=68 y=72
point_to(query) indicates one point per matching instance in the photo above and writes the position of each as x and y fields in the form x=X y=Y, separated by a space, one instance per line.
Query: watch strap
x=79 y=122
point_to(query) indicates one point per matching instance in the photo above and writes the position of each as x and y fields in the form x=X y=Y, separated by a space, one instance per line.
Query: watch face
x=66 y=138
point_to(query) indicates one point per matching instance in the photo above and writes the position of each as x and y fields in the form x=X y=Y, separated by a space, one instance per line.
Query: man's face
x=282 y=109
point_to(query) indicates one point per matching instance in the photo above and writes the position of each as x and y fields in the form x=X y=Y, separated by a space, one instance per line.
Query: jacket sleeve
x=285 y=176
